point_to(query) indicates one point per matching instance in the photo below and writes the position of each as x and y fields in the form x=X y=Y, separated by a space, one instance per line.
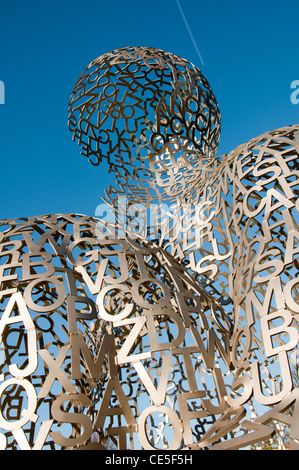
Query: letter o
x=100 y=303
x=144 y=303
x=176 y=427
x=45 y=308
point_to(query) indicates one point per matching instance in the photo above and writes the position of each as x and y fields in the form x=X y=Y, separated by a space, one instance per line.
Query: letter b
x=269 y=333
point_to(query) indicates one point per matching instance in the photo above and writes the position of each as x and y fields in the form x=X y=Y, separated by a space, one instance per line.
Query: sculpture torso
x=101 y=324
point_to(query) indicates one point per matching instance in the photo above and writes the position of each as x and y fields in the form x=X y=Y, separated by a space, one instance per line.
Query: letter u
x=286 y=377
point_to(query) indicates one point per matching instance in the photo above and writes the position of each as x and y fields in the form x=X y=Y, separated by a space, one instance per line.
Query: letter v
x=157 y=394
x=94 y=287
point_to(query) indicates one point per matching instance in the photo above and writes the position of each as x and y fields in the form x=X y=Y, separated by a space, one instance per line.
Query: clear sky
x=250 y=54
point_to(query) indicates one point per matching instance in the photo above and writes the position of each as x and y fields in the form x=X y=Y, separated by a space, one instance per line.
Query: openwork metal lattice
x=173 y=326
x=151 y=115
x=100 y=325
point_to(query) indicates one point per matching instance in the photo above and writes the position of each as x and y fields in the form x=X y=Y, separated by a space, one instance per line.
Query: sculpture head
x=150 y=114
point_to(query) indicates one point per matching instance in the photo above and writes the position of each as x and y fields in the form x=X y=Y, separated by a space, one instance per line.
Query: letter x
x=55 y=372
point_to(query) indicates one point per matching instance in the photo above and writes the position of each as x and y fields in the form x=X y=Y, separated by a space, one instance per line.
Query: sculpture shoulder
x=48 y=219
x=55 y=225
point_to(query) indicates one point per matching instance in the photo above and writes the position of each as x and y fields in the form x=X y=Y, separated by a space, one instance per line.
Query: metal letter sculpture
x=180 y=333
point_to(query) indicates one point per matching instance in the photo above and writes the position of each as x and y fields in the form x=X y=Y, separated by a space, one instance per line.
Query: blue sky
x=250 y=54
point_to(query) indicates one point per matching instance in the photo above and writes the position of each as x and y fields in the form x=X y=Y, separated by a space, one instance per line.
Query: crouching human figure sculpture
x=171 y=324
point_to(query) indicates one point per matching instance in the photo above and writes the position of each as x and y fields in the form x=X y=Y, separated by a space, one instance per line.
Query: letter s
x=74 y=418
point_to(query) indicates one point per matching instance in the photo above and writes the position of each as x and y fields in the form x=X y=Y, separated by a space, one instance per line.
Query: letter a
x=25 y=318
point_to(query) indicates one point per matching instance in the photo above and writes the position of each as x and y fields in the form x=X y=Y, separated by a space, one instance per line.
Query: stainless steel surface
x=180 y=336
